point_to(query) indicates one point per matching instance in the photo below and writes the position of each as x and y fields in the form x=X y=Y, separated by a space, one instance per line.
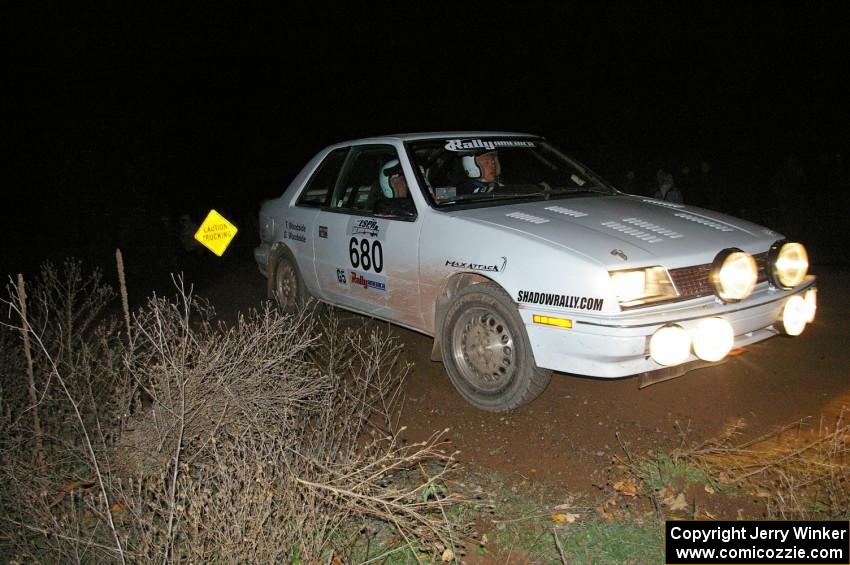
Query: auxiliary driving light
x=811 y=300
x=713 y=339
x=670 y=345
x=734 y=275
x=787 y=264
x=794 y=316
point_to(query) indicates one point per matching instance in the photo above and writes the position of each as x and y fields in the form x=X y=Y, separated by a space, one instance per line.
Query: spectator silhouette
x=685 y=179
x=629 y=182
x=705 y=187
x=667 y=190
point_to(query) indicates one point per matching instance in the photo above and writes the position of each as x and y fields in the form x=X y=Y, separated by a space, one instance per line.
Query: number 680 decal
x=366 y=254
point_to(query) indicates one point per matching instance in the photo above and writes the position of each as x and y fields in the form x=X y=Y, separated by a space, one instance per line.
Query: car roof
x=433 y=135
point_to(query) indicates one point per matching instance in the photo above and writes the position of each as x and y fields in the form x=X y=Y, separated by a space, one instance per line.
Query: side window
x=373 y=183
x=321 y=184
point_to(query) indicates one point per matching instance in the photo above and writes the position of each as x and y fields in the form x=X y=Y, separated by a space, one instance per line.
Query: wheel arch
x=450 y=287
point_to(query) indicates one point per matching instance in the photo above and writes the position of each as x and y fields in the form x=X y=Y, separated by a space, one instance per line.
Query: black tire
x=287 y=286
x=486 y=350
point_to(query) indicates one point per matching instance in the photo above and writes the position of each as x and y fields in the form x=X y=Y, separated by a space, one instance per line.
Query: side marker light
x=550 y=321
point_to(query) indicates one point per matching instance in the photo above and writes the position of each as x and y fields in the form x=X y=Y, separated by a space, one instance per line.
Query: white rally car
x=520 y=261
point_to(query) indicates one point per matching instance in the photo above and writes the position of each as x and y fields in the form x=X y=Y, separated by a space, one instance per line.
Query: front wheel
x=486 y=350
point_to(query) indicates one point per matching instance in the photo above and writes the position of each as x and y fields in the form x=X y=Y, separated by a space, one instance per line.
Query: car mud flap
x=436 y=350
x=667 y=373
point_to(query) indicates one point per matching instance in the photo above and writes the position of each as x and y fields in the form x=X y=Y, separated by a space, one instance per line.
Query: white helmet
x=391 y=169
x=470 y=164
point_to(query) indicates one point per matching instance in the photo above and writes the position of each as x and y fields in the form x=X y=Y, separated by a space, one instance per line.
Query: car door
x=298 y=226
x=367 y=241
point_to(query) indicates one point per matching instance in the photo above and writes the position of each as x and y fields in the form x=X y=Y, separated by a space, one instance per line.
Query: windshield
x=487 y=169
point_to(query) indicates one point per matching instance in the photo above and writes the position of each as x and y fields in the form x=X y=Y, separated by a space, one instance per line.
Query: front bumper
x=618 y=346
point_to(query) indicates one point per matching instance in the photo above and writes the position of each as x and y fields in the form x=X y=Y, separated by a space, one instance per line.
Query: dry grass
x=180 y=439
x=800 y=471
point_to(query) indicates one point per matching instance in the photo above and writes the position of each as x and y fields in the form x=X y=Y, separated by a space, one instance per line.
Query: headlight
x=787 y=263
x=636 y=287
x=733 y=274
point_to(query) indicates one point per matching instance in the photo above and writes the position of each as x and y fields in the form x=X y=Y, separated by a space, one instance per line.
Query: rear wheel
x=288 y=288
x=486 y=350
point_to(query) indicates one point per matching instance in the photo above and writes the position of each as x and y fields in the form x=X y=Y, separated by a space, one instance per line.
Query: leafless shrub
x=66 y=305
x=265 y=423
x=62 y=363
x=367 y=486
x=67 y=311
x=261 y=442
x=202 y=380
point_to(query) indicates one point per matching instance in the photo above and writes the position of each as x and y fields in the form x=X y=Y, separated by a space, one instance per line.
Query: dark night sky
x=110 y=112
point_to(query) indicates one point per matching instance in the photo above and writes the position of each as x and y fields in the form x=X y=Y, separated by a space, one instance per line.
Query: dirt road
x=569 y=436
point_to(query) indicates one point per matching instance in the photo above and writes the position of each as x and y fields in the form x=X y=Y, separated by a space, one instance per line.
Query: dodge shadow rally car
x=520 y=261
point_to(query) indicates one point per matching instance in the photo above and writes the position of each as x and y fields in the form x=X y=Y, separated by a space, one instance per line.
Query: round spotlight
x=811 y=300
x=734 y=275
x=794 y=316
x=713 y=339
x=788 y=264
x=670 y=345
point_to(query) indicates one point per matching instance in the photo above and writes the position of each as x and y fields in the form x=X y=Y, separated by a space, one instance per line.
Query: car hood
x=619 y=231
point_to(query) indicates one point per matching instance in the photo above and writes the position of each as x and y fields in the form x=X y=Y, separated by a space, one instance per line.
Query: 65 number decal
x=366 y=254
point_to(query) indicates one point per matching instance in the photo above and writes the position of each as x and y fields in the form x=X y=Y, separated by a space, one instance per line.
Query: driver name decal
x=560 y=300
x=467 y=144
x=295 y=232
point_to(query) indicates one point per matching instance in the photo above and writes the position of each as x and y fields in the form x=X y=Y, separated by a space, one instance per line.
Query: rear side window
x=321 y=184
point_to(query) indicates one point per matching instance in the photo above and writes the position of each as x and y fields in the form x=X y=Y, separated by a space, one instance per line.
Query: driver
x=394 y=197
x=482 y=171
x=392 y=180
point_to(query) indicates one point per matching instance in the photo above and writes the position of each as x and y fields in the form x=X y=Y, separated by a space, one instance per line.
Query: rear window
x=320 y=186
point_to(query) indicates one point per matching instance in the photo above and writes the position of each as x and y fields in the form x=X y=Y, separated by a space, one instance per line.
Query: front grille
x=693 y=282
x=761 y=263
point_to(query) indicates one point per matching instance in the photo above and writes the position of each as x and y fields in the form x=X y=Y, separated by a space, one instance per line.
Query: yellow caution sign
x=215 y=233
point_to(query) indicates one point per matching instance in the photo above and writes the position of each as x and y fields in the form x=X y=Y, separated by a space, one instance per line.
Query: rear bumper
x=618 y=346
x=261 y=256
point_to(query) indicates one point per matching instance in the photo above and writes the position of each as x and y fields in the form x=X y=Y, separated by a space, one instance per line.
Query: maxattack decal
x=361 y=280
x=472 y=144
x=295 y=232
x=491 y=268
x=559 y=300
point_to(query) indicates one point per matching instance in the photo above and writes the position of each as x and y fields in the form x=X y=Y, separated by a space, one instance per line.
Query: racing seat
x=380 y=205
x=375 y=194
